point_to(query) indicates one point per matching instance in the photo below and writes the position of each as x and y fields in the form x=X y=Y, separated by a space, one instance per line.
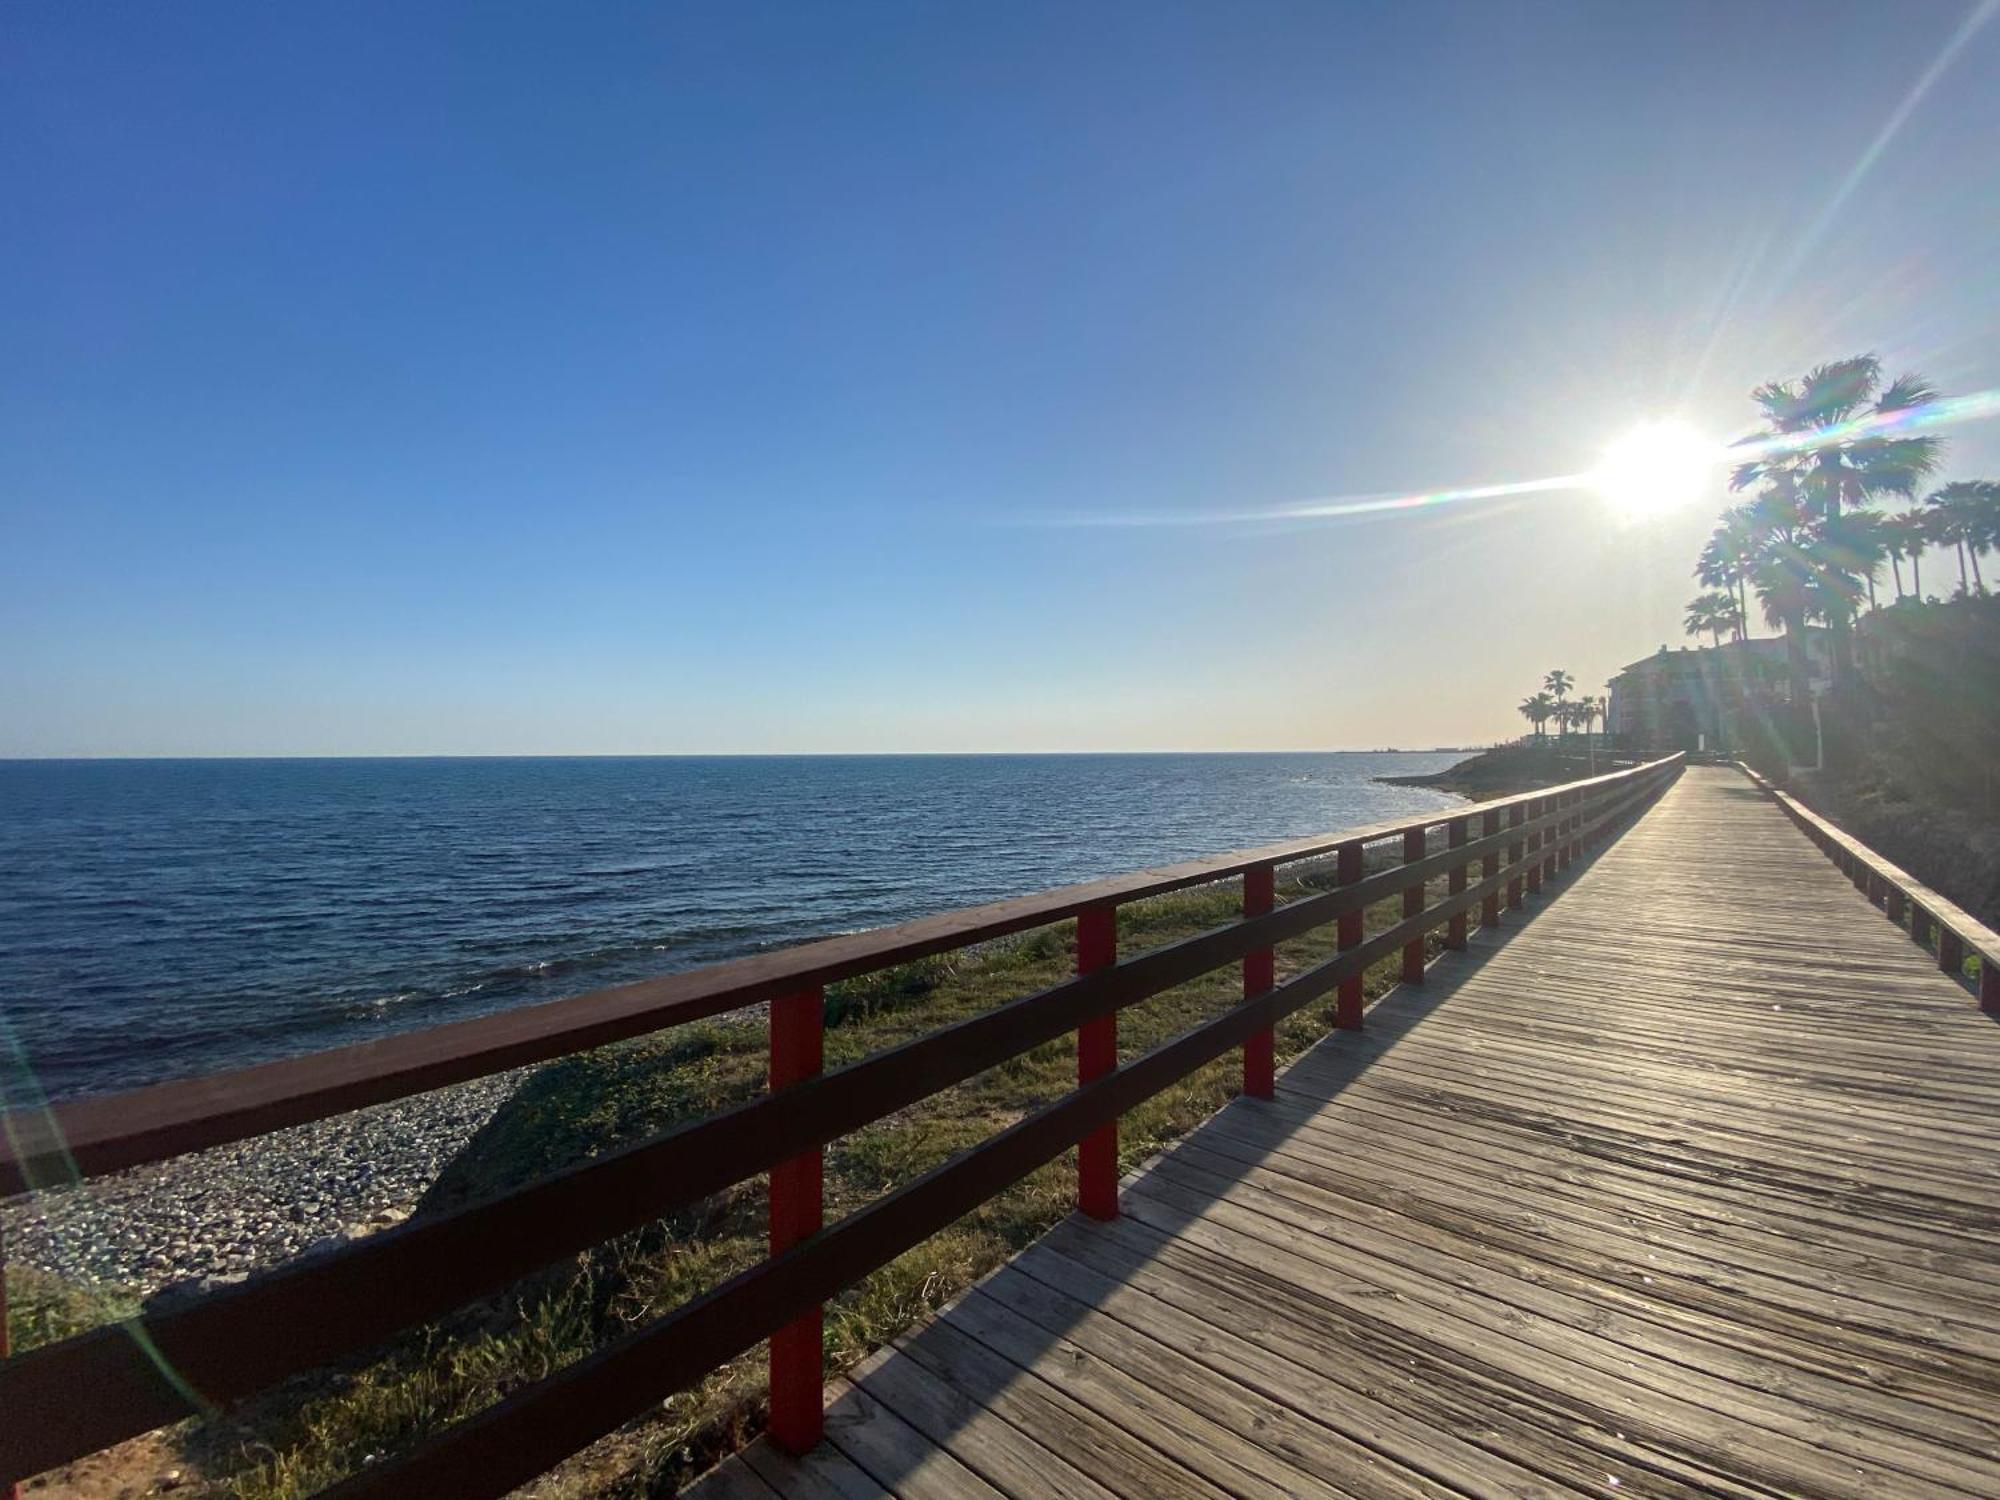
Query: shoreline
x=1503 y=771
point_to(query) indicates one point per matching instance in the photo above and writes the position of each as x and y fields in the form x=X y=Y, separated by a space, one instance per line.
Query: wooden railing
x=1933 y=923
x=72 y=1398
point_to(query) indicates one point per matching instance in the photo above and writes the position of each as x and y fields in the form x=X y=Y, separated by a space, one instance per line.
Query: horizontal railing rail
x=1927 y=916
x=94 y=1136
x=72 y=1398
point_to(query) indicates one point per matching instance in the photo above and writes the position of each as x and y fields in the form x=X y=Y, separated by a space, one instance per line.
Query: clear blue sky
x=531 y=378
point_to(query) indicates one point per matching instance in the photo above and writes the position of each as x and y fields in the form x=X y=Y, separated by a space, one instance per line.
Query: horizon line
x=741 y=754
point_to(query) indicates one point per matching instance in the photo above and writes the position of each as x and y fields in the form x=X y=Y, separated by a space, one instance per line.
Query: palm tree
x=1938 y=528
x=1538 y=710
x=1852 y=546
x=1557 y=684
x=1590 y=710
x=1984 y=535
x=1712 y=614
x=1896 y=545
x=1729 y=555
x=1819 y=436
x=1915 y=528
x=1786 y=577
x=1964 y=511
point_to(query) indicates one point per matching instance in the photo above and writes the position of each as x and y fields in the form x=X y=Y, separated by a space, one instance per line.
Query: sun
x=1656 y=467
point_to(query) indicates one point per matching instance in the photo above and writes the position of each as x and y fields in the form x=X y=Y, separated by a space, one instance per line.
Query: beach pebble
x=204 y=1220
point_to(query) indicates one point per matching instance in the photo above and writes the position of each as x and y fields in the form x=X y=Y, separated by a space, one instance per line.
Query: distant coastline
x=1502 y=771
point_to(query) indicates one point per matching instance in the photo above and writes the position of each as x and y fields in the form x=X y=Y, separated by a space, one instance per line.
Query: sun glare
x=1654 y=468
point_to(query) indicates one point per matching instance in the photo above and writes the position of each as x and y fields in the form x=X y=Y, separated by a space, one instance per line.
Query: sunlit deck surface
x=1687 y=1184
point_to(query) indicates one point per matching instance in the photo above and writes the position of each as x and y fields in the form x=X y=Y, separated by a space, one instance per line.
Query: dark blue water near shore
x=162 y=918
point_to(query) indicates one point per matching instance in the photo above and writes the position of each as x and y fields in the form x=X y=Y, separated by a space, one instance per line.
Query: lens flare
x=1650 y=469
x=1655 y=467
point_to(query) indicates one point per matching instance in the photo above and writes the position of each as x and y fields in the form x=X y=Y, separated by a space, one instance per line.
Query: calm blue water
x=161 y=918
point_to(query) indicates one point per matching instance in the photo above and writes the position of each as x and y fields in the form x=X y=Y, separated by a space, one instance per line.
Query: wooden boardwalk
x=1687 y=1184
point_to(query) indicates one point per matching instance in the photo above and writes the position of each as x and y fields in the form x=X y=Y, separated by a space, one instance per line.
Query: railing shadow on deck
x=1046 y=1327
x=1406 y=1008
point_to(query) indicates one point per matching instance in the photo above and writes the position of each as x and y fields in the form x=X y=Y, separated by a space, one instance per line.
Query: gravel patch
x=222 y=1213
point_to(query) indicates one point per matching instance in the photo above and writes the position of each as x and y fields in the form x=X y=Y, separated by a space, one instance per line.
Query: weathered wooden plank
x=1297 y=1423
x=1442 y=1188
x=1441 y=1406
x=736 y=1480
x=894 y=1454
x=1594 y=1165
x=1103 y=1382
x=1659 y=1190
x=1126 y=1455
x=1550 y=1340
x=823 y=1473
x=1630 y=1298
x=1001 y=1453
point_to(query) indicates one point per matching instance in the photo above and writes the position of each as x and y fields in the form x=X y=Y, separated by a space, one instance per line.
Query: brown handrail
x=72 y=1398
x=1901 y=895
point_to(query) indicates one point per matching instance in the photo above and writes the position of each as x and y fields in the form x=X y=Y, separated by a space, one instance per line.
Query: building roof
x=1765 y=648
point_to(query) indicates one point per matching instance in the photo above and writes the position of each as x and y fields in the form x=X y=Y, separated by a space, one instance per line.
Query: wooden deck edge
x=1975 y=934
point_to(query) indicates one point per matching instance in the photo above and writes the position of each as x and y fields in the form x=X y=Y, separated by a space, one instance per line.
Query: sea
x=162 y=918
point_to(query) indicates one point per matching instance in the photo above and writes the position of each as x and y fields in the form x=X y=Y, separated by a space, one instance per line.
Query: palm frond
x=1894 y=466
x=1905 y=391
x=1746 y=474
x=1834 y=392
x=1958 y=492
x=1779 y=401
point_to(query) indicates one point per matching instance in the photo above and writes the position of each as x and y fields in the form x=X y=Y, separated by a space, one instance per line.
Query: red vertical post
x=1489 y=909
x=1457 y=831
x=1514 y=852
x=1347 y=1011
x=1413 y=905
x=1260 y=973
x=1989 y=986
x=1096 y=1055
x=1551 y=840
x=1920 y=925
x=798 y=1349
x=1535 y=808
x=1896 y=904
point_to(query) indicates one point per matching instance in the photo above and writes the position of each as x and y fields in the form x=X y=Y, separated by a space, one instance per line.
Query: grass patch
x=304 y=1436
x=44 y=1309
